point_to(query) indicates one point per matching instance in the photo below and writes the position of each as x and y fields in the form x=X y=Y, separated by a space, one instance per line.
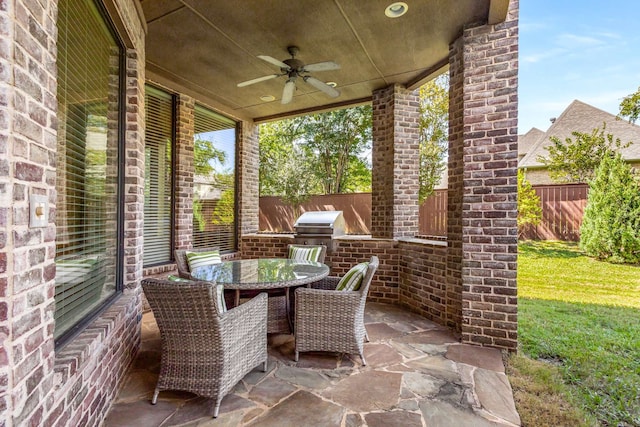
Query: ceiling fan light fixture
x=267 y=98
x=396 y=10
x=332 y=84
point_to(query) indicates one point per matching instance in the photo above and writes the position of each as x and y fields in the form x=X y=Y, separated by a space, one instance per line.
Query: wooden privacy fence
x=433 y=215
x=562 y=210
x=277 y=217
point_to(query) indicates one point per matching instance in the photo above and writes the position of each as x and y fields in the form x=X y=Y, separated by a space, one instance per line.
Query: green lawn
x=583 y=316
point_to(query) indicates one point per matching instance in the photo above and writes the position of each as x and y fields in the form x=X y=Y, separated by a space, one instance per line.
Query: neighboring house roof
x=581 y=117
x=527 y=141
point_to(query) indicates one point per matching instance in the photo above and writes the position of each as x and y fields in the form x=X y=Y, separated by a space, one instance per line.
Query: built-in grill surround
x=319 y=227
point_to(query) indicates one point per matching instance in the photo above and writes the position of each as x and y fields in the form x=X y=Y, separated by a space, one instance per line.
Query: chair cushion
x=304 y=254
x=173 y=278
x=353 y=279
x=201 y=259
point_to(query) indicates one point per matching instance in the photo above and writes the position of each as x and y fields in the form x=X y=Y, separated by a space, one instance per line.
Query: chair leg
x=154 y=399
x=364 y=362
x=366 y=336
x=295 y=357
x=216 y=409
x=264 y=366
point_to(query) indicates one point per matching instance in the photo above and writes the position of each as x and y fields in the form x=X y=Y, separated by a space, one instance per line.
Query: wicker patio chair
x=327 y=319
x=181 y=260
x=205 y=349
x=278 y=317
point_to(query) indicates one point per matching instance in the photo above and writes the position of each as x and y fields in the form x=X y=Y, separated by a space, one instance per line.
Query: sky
x=569 y=49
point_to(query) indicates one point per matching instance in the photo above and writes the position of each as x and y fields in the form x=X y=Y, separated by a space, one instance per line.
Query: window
x=88 y=166
x=214 y=199
x=158 y=183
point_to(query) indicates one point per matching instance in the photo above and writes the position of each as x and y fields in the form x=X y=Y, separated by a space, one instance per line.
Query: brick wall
x=395 y=181
x=348 y=252
x=73 y=385
x=423 y=287
x=27 y=167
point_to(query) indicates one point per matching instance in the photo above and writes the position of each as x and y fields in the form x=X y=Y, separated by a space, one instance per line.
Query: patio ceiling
x=206 y=47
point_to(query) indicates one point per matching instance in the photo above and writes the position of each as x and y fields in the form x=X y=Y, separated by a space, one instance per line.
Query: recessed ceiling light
x=332 y=84
x=267 y=98
x=396 y=10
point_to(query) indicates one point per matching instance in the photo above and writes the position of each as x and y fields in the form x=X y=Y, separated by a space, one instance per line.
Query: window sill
x=91 y=344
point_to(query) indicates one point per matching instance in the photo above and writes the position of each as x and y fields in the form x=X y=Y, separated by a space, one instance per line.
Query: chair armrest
x=245 y=317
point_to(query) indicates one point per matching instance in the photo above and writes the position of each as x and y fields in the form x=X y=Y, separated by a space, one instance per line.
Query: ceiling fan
x=294 y=68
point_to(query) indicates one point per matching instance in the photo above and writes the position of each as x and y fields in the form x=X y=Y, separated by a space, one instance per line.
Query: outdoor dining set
x=215 y=315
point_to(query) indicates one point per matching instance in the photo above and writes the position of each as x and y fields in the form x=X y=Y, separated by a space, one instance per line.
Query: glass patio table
x=262 y=274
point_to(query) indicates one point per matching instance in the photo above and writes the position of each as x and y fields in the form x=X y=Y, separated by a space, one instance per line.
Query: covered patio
x=418 y=373
x=87 y=86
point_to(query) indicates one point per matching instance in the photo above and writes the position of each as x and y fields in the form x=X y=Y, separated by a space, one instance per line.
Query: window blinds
x=158 y=187
x=89 y=69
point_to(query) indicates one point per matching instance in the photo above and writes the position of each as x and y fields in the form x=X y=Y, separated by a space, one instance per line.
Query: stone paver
x=481 y=357
x=302 y=409
x=417 y=374
x=368 y=391
x=495 y=395
x=394 y=418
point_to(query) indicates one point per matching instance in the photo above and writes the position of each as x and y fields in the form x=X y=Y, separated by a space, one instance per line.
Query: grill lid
x=320 y=222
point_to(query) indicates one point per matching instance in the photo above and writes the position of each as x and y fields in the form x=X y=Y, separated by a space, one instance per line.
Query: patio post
x=185 y=166
x=482 y=194
x=395 y=184
x=248 y=179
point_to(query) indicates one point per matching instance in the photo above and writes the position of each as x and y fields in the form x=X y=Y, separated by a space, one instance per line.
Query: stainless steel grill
x=319 y=228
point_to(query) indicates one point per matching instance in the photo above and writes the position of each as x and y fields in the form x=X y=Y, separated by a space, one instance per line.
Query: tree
x=336 y=140
x=576 y=160
x=277 y=140
x=630 y=106
x=434 y=133
x=611 y=224
x=316 y=154
x=529 y=209
x=205 y=156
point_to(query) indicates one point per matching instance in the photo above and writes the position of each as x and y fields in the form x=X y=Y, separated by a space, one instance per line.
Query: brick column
x=395 y=184
x=134 y=174
x=185 y=167
x=482 y=181
x=248 y=178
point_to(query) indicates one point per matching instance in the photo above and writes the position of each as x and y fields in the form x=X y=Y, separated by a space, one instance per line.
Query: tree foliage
x=529 y=208
x=611 y=224
x=576 y=160
x=630 y=106
x=205 y=156
x=434 y=133
x=336 y=139
x=316 y=154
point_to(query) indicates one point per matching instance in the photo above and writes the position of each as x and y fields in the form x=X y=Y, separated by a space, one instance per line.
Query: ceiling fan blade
x=322 y=66
x=274 y=61
x=258 y=80
x=287 y=93
x=332 y=92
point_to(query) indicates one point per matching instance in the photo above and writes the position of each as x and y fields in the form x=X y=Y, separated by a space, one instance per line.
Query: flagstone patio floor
x=417 y=374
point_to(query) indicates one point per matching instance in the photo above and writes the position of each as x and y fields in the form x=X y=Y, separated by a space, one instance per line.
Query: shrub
x=611 y=224
x=529 y=209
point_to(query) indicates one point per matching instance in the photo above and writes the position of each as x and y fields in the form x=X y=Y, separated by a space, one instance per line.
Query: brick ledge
x=75 y=356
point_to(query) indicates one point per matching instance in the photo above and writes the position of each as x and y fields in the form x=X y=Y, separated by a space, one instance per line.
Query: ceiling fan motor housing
x=294 y=65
